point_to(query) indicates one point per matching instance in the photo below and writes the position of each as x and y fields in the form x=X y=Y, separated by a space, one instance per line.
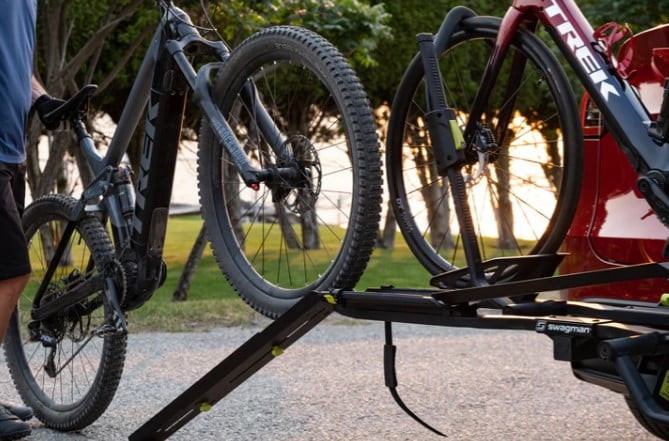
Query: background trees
x=102 y=42
x=411 y=17
x=73 y=49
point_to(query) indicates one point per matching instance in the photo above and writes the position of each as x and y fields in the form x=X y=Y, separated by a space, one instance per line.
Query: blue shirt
x=17 y=43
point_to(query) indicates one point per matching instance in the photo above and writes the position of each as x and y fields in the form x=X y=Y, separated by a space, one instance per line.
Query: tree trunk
x=435 y=195
x=289 y=236
x=506 y=239
x=60 y=72
x=310 y=235
x=440 y=227
x=552 y=168
x=387 y=236
x=181 y=292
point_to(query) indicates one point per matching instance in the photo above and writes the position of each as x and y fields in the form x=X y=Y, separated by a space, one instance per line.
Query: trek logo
x=142 y=180
x=583 y=52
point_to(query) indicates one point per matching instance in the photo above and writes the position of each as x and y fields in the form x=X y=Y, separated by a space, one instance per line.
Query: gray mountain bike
x=289 y=182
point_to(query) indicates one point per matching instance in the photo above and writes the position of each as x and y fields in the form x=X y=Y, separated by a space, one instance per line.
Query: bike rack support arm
x=620 y=351
x=543 y=284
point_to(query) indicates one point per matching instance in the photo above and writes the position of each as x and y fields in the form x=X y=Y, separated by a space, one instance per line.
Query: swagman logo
x=562 y=328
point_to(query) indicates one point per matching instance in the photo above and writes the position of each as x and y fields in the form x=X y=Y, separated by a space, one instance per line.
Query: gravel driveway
x=471 y=384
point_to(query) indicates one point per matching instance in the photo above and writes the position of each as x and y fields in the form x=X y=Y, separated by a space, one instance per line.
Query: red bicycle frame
x=626 y=116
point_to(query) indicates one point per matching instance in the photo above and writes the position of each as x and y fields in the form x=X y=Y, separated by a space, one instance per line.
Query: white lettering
x=569 y=329
x=607 y=89
x=554 y=10
x=587 y=61
x=583 y=52
x=573 y=40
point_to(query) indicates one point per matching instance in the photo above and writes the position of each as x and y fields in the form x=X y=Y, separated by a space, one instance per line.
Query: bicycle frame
x=626 y=116
x=598 y=339
x=138 y=218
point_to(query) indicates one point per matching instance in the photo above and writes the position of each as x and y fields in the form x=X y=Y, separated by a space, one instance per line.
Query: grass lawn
x=211 y=302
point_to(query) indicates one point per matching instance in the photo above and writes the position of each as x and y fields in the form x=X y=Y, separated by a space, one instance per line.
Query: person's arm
x=37 y=90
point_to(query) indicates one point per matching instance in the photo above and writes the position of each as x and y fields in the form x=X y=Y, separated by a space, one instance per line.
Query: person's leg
x=14 y=274
x=10 y=291
x=14 y=260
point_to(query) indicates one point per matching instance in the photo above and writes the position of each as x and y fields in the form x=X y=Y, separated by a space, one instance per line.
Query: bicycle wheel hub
x=299 y=194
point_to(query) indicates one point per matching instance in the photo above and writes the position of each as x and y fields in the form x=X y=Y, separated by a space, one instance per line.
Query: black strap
x=389 y=351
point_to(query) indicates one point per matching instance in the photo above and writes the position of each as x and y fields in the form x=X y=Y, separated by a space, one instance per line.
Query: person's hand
x=45 y=104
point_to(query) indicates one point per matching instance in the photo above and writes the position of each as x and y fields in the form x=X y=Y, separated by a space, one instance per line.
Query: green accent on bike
x=664 y=299
x=458 y=138
x=330 y=299
x=664 y=390
x=277 y=350
x=205 y=407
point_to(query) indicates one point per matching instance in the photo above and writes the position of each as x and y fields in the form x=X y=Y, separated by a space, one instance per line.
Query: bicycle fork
x=448 y=143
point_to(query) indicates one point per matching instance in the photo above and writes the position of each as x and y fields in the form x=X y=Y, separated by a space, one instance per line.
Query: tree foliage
x=72 y=37
x=102 y=42
x=408 y=18
x=639 y=15
x=353 y=26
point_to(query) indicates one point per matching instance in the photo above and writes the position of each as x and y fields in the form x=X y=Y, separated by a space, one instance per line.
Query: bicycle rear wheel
x=70 y=382
x=522 y=179
x=317 y=232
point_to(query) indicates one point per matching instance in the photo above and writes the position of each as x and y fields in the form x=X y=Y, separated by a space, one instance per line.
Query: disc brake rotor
x=301 y=193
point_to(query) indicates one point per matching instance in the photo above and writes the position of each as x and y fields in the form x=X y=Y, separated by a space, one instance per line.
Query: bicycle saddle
x=72 y=108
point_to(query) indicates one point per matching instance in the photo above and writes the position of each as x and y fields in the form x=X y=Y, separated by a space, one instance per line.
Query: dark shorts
x=14 y=259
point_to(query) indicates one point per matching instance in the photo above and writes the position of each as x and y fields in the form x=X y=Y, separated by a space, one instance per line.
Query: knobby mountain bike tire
x=522 y=180
x=317 y=232
x=72 y=389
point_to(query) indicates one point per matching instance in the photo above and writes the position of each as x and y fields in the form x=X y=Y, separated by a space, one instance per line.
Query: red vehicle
x=613 y=225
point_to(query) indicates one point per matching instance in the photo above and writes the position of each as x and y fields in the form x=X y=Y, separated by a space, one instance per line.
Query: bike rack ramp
x=580 y=332
x=236 y=368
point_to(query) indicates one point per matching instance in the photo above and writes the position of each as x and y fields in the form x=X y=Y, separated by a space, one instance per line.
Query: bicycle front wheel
x=315 y=230
x=65 y=370
x=524 y=155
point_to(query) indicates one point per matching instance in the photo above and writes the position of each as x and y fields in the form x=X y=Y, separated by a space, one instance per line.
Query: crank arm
x=117 y=316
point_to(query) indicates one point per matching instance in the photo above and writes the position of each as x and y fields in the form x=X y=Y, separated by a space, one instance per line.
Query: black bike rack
x=585 y=334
